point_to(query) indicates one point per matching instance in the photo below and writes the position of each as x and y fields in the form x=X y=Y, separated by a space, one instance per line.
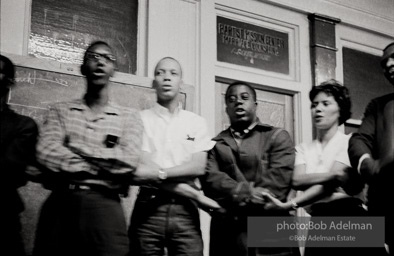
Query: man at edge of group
x=371 y=151
x=18 y=137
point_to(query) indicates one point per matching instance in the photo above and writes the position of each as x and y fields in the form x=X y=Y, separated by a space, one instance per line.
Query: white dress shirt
x=320 y=160
x=172 y=138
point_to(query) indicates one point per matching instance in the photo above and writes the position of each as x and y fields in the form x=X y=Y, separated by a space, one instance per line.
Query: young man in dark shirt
x=249 y=158
x=18 y=136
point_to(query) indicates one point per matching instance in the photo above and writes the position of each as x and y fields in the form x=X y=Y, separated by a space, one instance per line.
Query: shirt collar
x=245 y=131
x=225 y=133
x=333 y=142
x=80 y=104
x=164 y=112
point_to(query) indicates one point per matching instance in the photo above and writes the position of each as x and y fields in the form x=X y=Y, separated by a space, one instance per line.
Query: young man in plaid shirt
x=89 y=149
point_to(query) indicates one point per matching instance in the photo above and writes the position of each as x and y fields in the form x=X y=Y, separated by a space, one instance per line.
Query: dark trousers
x=380 y=201
x=11 y=228
x=228 y=235
x=11 y=241
x=342 y=207
x=165 y=222
x=82 y=223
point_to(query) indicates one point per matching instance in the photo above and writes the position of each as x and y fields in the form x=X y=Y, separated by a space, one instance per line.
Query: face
x=240 y=106
x=99 y=65
x=168 y=79
x=388 y=68
x=325 y=111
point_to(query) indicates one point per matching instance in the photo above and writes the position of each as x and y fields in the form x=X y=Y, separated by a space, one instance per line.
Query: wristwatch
x=162 y=174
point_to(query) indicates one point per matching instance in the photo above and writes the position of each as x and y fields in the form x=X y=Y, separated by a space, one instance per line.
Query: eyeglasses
x=99 y=56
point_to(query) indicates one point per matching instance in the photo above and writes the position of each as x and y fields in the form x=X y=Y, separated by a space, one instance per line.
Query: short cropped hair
x=239 y=83
x=341 y=95
x=170 y=58
x=8 y=71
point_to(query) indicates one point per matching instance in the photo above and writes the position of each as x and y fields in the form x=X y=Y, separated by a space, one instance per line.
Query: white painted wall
x=186 y=30
x=373 y=15
x=14 y=24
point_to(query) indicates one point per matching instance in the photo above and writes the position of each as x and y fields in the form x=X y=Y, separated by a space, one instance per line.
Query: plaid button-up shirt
x=99 y=149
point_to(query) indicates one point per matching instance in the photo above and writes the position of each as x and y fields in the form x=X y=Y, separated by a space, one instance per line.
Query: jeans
x=165 y=223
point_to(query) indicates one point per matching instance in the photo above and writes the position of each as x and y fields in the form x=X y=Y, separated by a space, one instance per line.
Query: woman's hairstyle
x=340 y=94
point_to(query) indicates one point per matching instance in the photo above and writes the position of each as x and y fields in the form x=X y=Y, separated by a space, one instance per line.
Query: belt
x=90 y=187
x=147 y=194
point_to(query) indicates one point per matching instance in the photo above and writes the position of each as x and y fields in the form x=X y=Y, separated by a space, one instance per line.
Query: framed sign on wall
x=254 y=46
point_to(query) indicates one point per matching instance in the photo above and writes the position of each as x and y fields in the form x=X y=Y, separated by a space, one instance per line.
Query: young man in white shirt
x=176 y=141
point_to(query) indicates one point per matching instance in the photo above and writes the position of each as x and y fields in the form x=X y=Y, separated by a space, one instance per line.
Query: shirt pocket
x=110 y=131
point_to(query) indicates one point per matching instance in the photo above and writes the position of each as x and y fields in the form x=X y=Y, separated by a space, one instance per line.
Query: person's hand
x=272 y=203
x=340 y=176
x=258 y=195
x=369 y=167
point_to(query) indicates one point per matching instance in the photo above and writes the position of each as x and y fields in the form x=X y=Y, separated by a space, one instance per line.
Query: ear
x=181 y=85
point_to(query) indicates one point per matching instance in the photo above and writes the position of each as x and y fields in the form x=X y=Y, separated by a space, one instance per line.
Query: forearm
x=224 y=189
x=181 y=189
x=304 y=181
x=369 y=167
x=309 y=196
x=281 y=165
x=115 y=160
x=58 y=158
x=51 y=150
x=188 y=171
x=362 y=141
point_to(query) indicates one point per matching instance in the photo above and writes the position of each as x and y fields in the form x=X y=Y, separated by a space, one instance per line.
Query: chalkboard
x=37 y=89
x=34 y=92
x=62 y=30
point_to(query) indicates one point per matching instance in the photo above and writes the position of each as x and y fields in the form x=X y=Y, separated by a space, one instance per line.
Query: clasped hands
x=264 y=197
